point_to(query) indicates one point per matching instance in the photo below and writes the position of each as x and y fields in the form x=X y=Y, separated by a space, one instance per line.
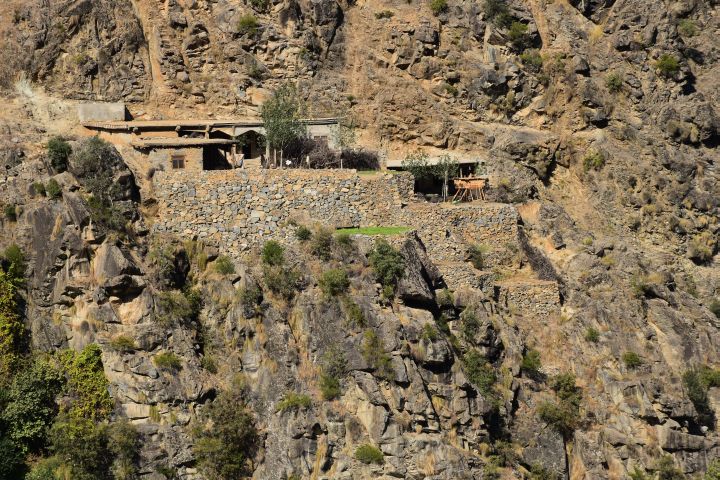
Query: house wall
x=161 y=158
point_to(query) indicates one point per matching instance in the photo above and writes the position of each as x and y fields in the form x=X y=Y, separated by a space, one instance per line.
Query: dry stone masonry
x=241 y=209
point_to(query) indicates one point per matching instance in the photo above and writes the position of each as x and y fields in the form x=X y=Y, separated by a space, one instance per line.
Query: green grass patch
x=372 y=231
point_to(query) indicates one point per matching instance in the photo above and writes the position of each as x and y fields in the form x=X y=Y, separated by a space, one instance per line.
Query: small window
x=178 y=162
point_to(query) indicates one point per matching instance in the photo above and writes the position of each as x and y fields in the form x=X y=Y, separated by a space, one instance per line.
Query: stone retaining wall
x=239 y=209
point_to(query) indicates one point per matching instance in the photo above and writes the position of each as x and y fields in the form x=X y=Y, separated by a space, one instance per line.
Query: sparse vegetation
x=303 y=233
x=631 y=360
x=614 y=82
x=224 y=265
x=517 y=33
x=592 y=335
x=86 y=383
x=687 y=28
x=697 y=382
x=532 y=60
x=438 y=6
x=281 y=280
x=353 y=313
x=248 y=25
x=175 y=306
x=123 y=344
x=369 y=454
x=334 y=368
x=294 y=401
x=384 y=14
x=498 y=12
x=321 y=244
x=593 y=160
x=273 y=253
x=666 y=469
x=701 y=247
x=667 y=65
x=429 y=333
x=58 y=151
x=374 y=354
x=53 y=189
x=333 y=282
x=445 y=299
x=476 y=255
x=10 y=212
x=38 y=188
x=565 y=414
x=167 y=361
x=715 y=307
x=531 y=363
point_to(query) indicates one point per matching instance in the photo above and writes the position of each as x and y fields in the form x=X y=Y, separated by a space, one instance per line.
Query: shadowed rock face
x=608 y=159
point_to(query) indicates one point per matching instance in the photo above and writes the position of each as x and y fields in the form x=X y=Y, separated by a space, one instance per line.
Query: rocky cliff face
x=601 y=119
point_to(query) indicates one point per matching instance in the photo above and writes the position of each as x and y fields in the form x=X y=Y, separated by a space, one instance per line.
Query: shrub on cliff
x=224 y=265
x=273 y=253
x=498 y=12
x=58 y=151
x=667 y=65
x=167 y=361
x=631 y=360
x=294 y=401
x=334 y=368
x=697 y=382
x=531 y=364
x=387 y=262
x=53 y=189
x=614 y=82
x=321 y=244
x=374 y=354
x=303 y=233
x=226 y=440
x=480 y=372
x=10 y=212
x=369 y=454
x=333 y=282
x=281 y=280
x=248 y=25
x=438 y=6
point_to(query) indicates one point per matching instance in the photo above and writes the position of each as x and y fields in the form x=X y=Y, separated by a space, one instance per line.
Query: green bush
x=480 y=372
x=593 y=160
x=476 y=255
x=631 y=359
x=208 y=363
x=687 y=28
x=39 y=188
x=697 y=382
x=124 y=446
x=273 y=253
x=30 y=407
x=250 y=298
x=445 y=299
x=517 y=33
x=281 y=280
x=87 y=386
x=294 y=401
x=303 y=233
x=560 y=416
x=167 y=361
x=353 y=313
x=429 y=333
x=227 y=439
x=260 y=5
x=667 y=65
x=498 y=12
x=53 y=189
x=713 y=471
x=58 y=152
x=374 y=354
x=369 y=454
x=321 y=244
x=469 y=325
x=388 y=263
x=438 y=6
x=12 y=328
x=334 y=368
x=82 y=446
x=15 y=264
x=10 y=212
x=531 y=364
x=532 y=60
x=384 y=14
x=614 y=82
x=333 y=282
x=177 y=306
x=122 y=343
x=592 y=335
x=224 y=265
x=248 y=25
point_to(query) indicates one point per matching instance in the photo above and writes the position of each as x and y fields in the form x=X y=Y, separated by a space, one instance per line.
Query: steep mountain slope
x=600 y=118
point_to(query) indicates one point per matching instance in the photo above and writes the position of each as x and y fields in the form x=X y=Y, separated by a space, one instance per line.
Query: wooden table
x=470 y=188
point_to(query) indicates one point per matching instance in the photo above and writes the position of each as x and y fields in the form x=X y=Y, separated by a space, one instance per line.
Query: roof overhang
x=160 y=142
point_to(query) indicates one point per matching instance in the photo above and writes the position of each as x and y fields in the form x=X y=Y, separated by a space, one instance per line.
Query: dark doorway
x=215 y=158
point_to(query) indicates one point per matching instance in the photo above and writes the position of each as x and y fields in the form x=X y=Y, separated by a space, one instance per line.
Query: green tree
x=281 y=115
x=12 y=330
x=58 y=152
x=227 y=440
x=82 y=446
x=445 y=169
x=87 y=386
x=387 y=262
